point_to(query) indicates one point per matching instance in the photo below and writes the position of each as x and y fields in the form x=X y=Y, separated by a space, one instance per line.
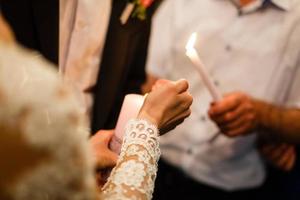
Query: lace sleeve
x=135 y=173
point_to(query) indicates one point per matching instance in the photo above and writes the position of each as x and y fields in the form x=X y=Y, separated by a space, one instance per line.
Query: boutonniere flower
x=136 y=8
x=141 y=8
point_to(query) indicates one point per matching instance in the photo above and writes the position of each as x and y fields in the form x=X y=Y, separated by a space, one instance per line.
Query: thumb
x=107 y=136
x=181 y=85
x=108 y=161
x=102 y=136
x=113 y=157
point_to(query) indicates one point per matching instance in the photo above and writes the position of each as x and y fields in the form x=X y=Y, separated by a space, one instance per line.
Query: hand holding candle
x=166 y=107
x=237 y=114
x=193 y=55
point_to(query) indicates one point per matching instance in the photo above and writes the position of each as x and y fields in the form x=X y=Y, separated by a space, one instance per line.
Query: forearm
x=134 y=175
x=279 y=122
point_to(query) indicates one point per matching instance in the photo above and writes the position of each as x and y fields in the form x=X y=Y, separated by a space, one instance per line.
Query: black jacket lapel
x=123 y=63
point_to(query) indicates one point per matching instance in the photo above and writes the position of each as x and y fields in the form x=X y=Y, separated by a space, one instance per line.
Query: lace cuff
x=135 y=173
x=142 y=132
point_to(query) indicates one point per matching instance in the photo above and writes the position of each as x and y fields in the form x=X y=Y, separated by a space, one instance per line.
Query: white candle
x=130 y=109
x=193 y=55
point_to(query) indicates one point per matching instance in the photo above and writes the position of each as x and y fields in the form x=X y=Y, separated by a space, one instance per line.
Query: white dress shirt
x=83 y=28
x=257 y=53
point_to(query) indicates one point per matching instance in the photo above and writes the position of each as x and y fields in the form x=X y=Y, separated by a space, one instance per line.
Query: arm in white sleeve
x=135 y=172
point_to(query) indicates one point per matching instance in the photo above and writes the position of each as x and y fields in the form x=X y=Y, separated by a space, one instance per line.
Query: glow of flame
x=192 y=40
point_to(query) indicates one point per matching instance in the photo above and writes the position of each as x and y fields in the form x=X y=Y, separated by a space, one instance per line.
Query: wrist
x=148 y=117
x=268 y=115
x=143 y=133
x=260 y=110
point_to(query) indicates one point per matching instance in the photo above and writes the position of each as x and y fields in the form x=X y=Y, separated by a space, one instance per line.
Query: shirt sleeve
x=293 y=99
x=158 y=63
x=135 y=172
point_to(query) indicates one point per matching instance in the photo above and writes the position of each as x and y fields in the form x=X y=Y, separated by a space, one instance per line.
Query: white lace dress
x=135 y=173
x=46 y=128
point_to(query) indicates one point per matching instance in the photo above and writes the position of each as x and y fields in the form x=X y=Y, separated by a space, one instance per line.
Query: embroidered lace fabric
x=134 y=175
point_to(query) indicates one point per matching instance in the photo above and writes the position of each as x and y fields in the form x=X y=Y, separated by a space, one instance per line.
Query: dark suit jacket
x=35 y=24
x=123 y=65
x=122 y=70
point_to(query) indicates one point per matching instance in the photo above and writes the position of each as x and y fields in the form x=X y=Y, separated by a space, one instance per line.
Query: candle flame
x=192 y=40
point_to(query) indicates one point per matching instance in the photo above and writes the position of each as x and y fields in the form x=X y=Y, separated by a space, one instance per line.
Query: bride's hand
x=167 y=105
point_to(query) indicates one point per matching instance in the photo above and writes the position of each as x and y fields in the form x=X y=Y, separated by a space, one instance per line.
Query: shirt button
x=228 y=47
x=203 y=118
x=289 y=67
x=216 y=83
x=189 y=151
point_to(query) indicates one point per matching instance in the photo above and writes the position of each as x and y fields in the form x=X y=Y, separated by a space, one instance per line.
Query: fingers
x=181 y=116
x=278 y=151
x=291 y=162
x=166 y=102
x=106 y=159
x=239 y=131
x=107 y=136
x=113 y=158
x=177 y=120
x=287 y=160
x=229 y=103
x=181 y=109
x=181 y=86
x=228 y=117
x=232 y=125
x=241 y=126
x=282 y=156
x=170 y=127
x=185 y=100
x=102 y=136
x=235 y=115
x=179 y=113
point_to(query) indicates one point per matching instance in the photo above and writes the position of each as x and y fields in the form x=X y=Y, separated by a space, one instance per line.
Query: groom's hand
x=280 y=155
x=235 y=115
